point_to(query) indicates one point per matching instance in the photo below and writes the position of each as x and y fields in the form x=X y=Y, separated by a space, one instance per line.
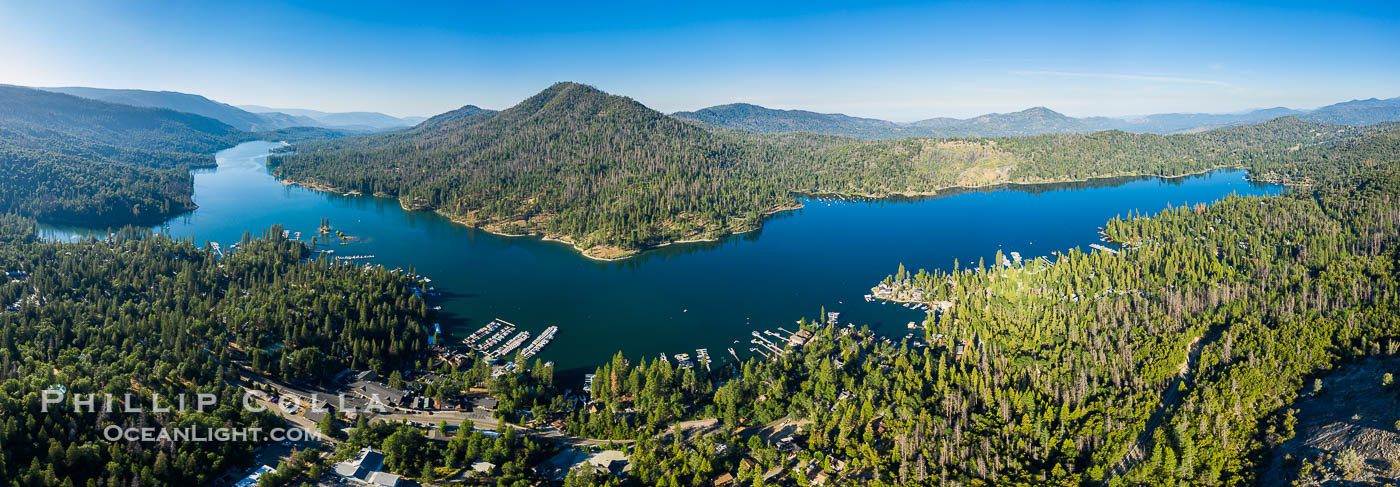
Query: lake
x=682 y=297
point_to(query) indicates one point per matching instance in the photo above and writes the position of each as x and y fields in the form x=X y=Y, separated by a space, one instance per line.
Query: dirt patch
x=1346 y=434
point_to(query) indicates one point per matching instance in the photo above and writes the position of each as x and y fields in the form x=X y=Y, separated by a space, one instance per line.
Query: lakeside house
x=800 y=338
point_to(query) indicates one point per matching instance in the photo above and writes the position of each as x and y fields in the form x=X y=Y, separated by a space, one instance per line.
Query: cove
x=685 y=296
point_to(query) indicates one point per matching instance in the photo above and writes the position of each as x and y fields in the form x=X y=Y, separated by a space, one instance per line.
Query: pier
x=491 y=342
x=481 y=333
x=354 y=257
x=540 y=341
x=1103 y=248
x=510 y=346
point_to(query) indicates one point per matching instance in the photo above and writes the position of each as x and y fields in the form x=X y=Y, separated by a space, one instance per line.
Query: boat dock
x=1102 y=248
x=540 y=341
x=354 y=257
x=481 y=333
x=510 y=346
x=491 y=342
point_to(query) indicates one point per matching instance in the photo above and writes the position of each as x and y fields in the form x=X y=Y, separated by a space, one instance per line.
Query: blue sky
x=900 y=61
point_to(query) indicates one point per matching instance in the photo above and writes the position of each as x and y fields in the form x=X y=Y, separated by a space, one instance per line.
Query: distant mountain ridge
x=77 y=160
x=265 y=119
x=367 y=120
x=1032 y=121
x=1357 y=112
x=172 y=100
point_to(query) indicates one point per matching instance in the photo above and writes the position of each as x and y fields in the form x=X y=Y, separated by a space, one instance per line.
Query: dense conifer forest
x=74 y=160
x=78 y=161
x=139 y=313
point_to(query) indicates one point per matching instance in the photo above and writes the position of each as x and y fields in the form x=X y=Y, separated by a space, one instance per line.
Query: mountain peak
x=1042 y=112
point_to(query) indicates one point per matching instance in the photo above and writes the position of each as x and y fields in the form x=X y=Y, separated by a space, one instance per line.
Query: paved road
x=1170 y=399
x=481 y=419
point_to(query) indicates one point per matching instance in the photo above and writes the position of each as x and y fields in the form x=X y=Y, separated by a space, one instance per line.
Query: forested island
x=614 y=177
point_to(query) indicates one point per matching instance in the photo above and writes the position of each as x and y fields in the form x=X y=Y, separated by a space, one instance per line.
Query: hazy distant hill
x=253 y=119
x=1166 y=123
x=1033 y=121
x=754 y=118
x=1358 y=112
x=79 y=160
x=373 y=121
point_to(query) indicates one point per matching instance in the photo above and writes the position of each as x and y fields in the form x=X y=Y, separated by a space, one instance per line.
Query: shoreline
x=605 y=253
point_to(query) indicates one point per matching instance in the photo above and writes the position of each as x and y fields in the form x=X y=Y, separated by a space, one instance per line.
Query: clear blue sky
x=901 y=61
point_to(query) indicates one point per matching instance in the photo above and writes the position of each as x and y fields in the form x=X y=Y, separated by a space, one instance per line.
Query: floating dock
x=510 y=346
x=483 y=332
x=354 y=257
x=539 y=342
x=491 y=342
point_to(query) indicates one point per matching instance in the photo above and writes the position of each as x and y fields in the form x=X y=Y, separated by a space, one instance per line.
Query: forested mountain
x=1033 y=121
x=472 y=113
x=1358 y=112
x=181 y=102
x=75 y=160
x=614 y=176
x=143 y=315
